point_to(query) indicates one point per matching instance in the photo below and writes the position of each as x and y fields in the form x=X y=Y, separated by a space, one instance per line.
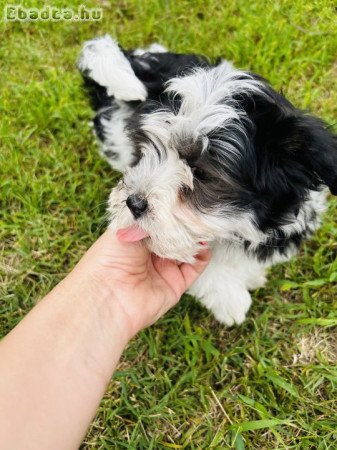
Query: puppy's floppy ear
x=293 y=148
x=319 y=150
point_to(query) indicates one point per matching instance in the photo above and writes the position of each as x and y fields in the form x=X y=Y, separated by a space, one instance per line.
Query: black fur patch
x=278 y=243
x=155 y=69
x=97 y=94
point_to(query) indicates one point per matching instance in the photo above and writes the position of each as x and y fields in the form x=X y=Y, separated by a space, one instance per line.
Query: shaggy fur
x=209 y=154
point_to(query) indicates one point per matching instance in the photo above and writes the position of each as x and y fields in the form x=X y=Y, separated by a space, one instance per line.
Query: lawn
x=186 y=382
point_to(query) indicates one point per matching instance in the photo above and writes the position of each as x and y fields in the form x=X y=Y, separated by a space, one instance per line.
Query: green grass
x=186 y=382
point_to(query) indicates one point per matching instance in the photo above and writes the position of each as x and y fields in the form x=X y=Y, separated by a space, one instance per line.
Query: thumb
x=191 y=272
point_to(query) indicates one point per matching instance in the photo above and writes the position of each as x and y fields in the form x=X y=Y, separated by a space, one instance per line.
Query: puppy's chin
x=182 y=254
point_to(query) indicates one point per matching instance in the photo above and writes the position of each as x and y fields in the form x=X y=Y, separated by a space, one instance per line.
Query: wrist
x=102 y=302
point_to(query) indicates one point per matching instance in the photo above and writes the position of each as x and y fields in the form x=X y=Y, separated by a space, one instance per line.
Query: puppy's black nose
x=137 y=205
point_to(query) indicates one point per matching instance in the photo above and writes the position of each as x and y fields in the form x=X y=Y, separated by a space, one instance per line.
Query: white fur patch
x=104 y=62
x=223 y=286
x=116 y=141
x=153 y=48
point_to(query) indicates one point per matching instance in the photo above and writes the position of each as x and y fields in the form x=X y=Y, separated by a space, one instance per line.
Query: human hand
x=140 y=286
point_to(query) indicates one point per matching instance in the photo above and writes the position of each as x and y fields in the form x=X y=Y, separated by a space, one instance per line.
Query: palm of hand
x=143 y=285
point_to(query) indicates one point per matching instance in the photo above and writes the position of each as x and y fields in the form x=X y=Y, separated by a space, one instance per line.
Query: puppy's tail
x=104 y=63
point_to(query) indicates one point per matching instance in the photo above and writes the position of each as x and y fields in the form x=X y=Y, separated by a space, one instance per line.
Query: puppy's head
x=223 y=157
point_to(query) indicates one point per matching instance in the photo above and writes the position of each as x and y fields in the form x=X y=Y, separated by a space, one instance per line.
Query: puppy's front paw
x=257 y=281
x=232 y=307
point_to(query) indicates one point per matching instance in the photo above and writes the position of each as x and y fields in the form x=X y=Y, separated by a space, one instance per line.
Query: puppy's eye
x=199 y=174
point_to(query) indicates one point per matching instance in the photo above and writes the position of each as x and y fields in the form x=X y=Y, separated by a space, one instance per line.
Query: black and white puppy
x=209 y=154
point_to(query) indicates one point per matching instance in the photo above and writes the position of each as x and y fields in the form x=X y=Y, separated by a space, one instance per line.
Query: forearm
x=55 y=366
